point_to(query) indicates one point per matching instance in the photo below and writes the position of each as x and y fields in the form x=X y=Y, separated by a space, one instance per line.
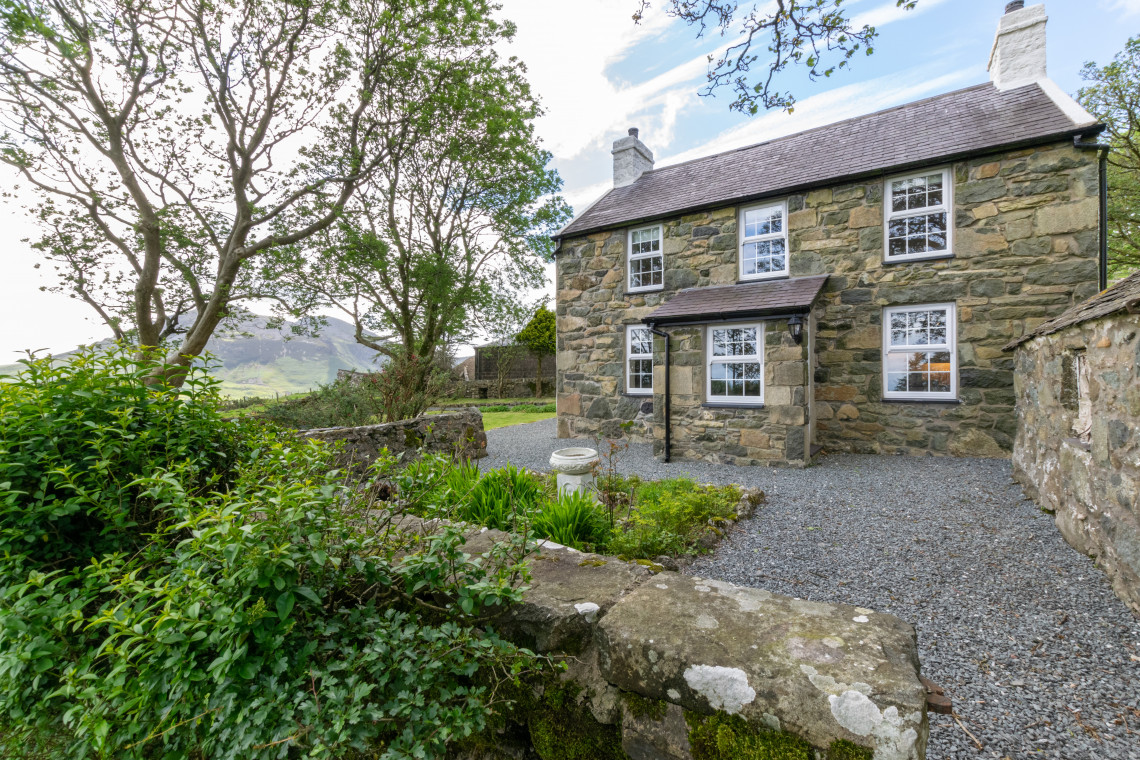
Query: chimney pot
x=633 y=131
x=1016 y=5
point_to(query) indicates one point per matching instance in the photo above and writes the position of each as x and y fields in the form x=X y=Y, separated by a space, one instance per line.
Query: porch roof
x=750 y=299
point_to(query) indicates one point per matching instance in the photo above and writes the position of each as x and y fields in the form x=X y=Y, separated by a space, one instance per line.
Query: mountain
x=260 y=362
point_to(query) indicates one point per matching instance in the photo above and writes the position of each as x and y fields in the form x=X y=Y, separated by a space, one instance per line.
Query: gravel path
x=1023 y=632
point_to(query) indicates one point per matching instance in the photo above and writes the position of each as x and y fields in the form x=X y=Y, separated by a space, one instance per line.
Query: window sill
x=743 y=280
x=627 y=394
x=643 y=291
x=729 y=405
x=949 y=401
x=917 y=259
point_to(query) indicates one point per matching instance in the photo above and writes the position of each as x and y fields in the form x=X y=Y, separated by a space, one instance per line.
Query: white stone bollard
x=575 y=468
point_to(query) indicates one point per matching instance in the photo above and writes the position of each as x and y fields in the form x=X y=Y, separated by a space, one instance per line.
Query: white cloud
x=826 y=108
x=1129 y=7
x=568 y=62
x=890 y=11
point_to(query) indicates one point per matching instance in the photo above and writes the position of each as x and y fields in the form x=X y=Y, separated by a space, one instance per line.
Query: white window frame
x=631 y=257
x=947 y=207
x=710 y=359
x=951 y=346
x=630 y=356
x=782 y=235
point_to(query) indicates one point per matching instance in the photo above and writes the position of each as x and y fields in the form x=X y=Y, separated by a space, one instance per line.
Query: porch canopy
x=766 y=300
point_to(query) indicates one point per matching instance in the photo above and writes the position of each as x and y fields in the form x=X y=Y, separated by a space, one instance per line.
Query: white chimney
x=1018 y=54
x=631 y=159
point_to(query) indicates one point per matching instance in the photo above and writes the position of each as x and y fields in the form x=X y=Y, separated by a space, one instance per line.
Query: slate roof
x=942 y=128
x=750 y=299
x=1123 y=296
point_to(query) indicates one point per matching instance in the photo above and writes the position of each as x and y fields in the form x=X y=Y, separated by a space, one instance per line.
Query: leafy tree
x=508 y=320
x=443 y=237
x=1113 y=96
x=180 y=152
x=539 y=337
x=816 y=34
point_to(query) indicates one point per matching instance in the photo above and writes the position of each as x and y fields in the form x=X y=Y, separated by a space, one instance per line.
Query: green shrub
x=76 y=438
x=574 y=520
x=231 y=594
x=667 y=516
x=344 y=403
x=502 y=499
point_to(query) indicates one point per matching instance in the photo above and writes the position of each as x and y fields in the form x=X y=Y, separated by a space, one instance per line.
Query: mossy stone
x=562 y=728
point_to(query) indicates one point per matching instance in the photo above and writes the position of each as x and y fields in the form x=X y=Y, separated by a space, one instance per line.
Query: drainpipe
x=664 y=335
x=1103 y=150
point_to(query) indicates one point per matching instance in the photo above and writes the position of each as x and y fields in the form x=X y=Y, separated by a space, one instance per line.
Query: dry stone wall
x=658 y=660
x=1093 y=486
x=1025 y=248
x=458 y=434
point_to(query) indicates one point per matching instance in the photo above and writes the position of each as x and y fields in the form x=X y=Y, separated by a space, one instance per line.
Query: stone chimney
x=631 y=159
x=1018 y=54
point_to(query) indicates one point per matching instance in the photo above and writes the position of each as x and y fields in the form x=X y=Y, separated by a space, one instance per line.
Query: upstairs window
x=736 y=364
x=638 y=360
x=919 y=352
x=646 y=264
x=918 y=216
x=763 y=242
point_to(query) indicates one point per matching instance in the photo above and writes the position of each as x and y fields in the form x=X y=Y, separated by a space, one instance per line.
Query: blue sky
x=598 y=74
x=604 y=74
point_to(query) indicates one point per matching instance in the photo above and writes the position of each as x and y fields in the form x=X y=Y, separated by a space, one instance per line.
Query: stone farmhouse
x=848 y=287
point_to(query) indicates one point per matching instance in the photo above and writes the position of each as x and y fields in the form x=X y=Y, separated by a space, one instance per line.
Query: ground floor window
x=736 y=363
x=920 y=352
x=638 y=360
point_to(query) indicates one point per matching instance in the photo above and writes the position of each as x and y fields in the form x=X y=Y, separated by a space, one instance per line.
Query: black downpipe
x=1103 y=150
x=665 y=335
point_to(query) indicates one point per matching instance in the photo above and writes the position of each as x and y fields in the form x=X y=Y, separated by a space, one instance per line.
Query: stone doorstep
x=823 y=672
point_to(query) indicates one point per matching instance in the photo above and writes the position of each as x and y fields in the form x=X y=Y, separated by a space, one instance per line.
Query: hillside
x=260 y=362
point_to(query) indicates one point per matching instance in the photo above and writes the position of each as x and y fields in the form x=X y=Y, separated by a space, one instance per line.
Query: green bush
x=344 y=403
x=574 y=520
x=667 y=516
x=228 y=593
x=503 y=499
x=76 y=438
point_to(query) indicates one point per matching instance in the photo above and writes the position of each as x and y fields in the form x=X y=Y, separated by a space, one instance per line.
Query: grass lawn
x=492 y=420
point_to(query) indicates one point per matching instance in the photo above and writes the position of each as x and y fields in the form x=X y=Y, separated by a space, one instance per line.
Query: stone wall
x=660 y=664
x=1092 y=486
x=459 y=434
x=1024 y=245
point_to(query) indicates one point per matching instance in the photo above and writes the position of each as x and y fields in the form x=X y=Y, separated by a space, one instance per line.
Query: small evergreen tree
x=539 y=337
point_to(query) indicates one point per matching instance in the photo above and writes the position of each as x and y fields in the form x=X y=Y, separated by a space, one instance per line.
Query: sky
x=597 y=74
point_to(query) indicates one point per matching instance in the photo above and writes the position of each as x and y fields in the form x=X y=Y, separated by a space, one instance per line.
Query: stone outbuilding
x=1077 y=451
x=849 y=287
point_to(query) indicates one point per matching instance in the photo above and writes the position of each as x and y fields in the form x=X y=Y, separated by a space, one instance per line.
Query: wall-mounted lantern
x=796 y=328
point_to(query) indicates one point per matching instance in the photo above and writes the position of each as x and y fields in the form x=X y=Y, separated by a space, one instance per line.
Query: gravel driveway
x=1024 y=633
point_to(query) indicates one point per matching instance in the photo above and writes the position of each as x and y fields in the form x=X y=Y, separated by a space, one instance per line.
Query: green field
x=492 y=420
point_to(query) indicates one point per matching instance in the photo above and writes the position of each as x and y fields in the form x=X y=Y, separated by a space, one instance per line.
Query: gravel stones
x=1024 y=633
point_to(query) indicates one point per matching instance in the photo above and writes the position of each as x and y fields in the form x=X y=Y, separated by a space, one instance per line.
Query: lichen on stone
x=725 y=689
x=592 y=563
